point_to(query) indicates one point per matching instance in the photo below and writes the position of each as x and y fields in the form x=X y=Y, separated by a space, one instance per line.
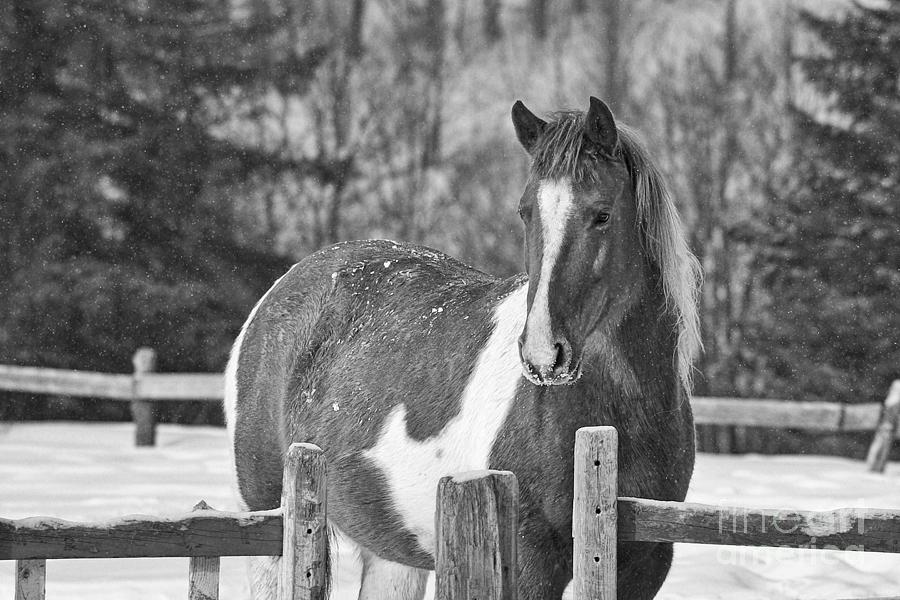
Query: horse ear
x=528 y=126
x=600 y=127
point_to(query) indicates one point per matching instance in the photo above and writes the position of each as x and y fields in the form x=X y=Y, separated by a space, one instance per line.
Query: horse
x=405 y=365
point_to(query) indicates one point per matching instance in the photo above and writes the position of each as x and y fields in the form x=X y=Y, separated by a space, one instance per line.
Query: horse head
x=584 y=256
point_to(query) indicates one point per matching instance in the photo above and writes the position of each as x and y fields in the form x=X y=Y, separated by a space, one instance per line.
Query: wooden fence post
x=476 y=524
x=303 y=504
x=594 y=515
x=203 y=571
x=887 y=429
x=142 y=411
x=31 y=577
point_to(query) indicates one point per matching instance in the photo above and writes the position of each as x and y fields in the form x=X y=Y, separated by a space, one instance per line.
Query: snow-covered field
x=93 y=471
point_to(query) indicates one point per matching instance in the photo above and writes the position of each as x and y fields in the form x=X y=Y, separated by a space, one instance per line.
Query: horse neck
x=636 y=360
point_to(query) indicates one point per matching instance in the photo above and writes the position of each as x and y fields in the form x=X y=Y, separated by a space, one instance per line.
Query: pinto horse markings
x=465 y=442
x=405 y=365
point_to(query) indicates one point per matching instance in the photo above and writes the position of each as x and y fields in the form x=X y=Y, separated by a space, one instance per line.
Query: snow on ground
x=93 y=471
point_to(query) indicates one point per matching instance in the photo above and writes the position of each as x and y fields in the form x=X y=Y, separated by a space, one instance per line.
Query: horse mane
x=561 y=151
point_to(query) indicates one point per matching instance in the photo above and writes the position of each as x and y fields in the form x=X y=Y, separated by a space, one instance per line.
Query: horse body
x=405 y=365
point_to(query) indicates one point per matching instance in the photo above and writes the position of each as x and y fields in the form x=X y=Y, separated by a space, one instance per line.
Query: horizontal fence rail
x=148 y=386
x=41 y=380
x=180 y=386
x=145 y=387
x=786 y=414
x=859 y=529
x=199 y=533
x=296 y=531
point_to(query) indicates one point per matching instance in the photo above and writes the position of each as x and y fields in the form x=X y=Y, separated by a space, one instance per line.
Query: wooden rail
x=295 y=531
x=786 y=414
x=857 y=529
x=199 y=533
x=40 y=380
x=145 y=387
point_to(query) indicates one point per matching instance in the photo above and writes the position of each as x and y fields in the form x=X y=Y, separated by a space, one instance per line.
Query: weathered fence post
x=594 y=515
x=476 y=525
x=31 y=578
x=303 y=499
x=142 y=411
x=203 y=572
x=887 y=429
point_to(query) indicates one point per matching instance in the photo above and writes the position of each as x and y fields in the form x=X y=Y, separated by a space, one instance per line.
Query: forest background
x=162 y=162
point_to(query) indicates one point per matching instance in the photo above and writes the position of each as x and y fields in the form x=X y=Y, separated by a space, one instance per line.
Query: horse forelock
x=563 y=152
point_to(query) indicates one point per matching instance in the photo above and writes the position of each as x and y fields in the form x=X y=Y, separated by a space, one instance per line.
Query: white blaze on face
x=555 y=200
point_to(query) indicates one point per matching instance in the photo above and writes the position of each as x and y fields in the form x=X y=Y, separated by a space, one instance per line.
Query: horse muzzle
x=549 y=363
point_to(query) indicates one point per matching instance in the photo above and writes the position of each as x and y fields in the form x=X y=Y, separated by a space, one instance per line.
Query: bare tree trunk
x=614 y=82
x=560 y=36
x=719 y=255
x=539 y=18
x=341 y=116
x=459 y=25
x=436 y=44
x=332 y=228
x=723 y=287
x=492 y=30
x=787 y=41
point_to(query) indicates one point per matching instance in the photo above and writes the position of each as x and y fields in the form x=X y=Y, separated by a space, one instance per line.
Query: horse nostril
x=559 y=356
x=563 y=357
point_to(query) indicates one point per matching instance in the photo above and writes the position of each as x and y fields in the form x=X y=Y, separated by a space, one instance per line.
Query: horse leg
x=386 y=580
x=264 y=577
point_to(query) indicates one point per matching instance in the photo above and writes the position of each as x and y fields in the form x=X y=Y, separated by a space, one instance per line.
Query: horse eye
x=600 y=219
x=525 y=212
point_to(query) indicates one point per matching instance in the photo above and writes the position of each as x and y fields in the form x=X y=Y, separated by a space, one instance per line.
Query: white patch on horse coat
x=230 y=398
x=555 y=200
x=413 y=468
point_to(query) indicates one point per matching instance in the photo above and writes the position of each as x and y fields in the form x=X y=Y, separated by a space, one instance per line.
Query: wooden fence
x=476 y=524
x=296 y=531
x=600 y=516
x=144 y=387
